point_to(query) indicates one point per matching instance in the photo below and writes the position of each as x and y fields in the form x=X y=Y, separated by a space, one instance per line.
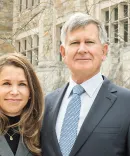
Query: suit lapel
x=53 y=117
x=5 y=150
x=22 y=149
x=100 y=107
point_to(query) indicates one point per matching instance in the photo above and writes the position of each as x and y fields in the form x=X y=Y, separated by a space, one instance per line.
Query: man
x=96 y=121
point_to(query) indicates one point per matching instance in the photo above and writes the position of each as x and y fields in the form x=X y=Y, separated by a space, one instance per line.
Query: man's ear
x=103 y=58
x=105 y=50
x=62 y=51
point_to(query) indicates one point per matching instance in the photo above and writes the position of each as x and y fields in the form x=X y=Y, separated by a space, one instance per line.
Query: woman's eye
x=22 y=84
x=6 y=83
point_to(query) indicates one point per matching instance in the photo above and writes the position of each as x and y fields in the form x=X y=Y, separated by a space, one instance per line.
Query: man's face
x=83 y=52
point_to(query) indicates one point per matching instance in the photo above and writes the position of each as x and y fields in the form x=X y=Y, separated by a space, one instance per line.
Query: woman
x=21 y=107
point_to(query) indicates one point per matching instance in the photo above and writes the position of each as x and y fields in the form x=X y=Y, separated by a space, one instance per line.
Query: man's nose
x=82 y=48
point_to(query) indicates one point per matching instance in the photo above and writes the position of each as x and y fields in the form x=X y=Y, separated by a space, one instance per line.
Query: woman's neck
x=13 y=119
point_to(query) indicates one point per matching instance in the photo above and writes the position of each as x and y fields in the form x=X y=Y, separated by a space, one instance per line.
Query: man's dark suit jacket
x=105 y=131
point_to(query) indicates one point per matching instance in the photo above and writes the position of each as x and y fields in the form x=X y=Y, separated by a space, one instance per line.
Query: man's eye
x=75 y=43
x=89 y=42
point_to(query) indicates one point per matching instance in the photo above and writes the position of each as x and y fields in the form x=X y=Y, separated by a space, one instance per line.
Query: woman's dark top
x=13 y=143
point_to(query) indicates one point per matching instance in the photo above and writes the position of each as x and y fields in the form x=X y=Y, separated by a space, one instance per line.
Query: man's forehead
x=88 y=32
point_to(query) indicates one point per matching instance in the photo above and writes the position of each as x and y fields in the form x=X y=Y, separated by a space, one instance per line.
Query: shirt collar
x=90 y=85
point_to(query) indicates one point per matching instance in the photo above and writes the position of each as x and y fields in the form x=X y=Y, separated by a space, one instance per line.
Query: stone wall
x=117 y=66
x=6 y=22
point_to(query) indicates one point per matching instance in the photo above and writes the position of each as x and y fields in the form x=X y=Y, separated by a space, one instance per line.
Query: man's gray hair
x=79 y=20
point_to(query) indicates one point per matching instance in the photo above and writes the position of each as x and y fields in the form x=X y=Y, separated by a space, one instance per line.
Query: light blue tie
x=70 y=124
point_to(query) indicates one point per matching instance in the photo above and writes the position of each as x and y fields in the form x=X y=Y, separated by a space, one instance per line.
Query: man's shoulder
x=56 y=92
x=53 y=97
x=122 y=89
x=116 y=87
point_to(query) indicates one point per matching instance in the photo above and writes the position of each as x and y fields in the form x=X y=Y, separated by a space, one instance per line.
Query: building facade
x=36 y=34
x=6 y=24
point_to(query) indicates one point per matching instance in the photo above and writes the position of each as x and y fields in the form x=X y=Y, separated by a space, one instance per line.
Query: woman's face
x=14 y=90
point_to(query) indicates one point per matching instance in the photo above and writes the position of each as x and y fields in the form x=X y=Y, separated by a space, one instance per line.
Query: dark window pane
x=26 y=4
x=30 y=55
x=116 y=13
x=32 y=2
x=60 y=59
x=19 y=46
x=107 y=16
x=125 y=10
x=20 y=7
x=126 y=31
x=107 y=30
x=25 y=44
x=116 y=33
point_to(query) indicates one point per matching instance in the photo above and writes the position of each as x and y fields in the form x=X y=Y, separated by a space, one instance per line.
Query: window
x=116 y=14
x=29 y=47
x=125 y=10
x=25 y=44
x=32 y=2
x=107 y=16
x=117 y=19
x=20 y=5
x=107 y=30
x=116 y=33
x=19 y=46
x=126 y=31
x=26 y=4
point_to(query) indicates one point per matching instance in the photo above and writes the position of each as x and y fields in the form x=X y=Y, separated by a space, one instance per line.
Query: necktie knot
x=78 y=89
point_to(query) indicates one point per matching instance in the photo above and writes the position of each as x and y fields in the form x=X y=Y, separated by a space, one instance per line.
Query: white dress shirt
x=91 y=86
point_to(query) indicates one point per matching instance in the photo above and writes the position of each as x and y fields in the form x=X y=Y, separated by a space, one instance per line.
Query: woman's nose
x=14 y=90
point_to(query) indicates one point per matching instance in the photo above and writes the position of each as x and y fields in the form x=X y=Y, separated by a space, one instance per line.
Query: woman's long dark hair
x=31 y=116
